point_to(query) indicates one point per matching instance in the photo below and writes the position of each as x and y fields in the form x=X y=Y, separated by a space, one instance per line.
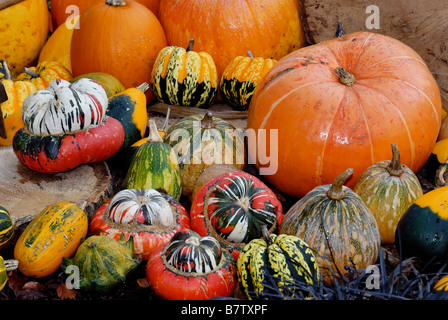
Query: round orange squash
x=228 y=28
x=60 y=10
x=119 y=38
x=24 y=29
x=342 y=103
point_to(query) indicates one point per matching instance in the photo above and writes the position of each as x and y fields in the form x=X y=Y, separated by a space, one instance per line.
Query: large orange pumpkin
x=119 y=38
x=60 y=13
x=228 y=28
x=24 y=29
x=342 y=103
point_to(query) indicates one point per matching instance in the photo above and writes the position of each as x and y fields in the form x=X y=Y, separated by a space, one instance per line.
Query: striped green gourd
x=201 y=141
x=388 y=188
x=334 y=221
x=274 y=265
x=155 y=166
x=6 y=227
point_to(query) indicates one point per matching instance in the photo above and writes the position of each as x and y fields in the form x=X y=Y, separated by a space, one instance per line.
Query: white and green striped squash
x=388 y=188
x=155 y=166
x=334 y=221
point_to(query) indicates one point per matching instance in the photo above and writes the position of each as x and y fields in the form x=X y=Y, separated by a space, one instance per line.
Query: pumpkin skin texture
x=304 y=97
x=6 y=227
x=388 y=188
x=46 y=72
x=111 y=84
x=240 y=78
x=129 y=107
x=422 y=228
x=56 y=232
x=100 y=45
x=57 y=47
x=334 y=221
x=155 y=166
x=275 y=261
x=200 y=142
x=103 y=263
x=191 y=267
x=24 y=28
x=226 y=29
x=152 y=218
x=184 y=77
x=66 y=126
x=233 y=207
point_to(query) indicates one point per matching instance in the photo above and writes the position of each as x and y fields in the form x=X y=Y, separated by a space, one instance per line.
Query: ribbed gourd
x=334 y=221
x=155 y=166
x=6 y=227
x=191 y=267
x=184 y=77
x=201 y=141
x=103 y=263
x=388 y=188
x=276 y=265
x=240 y=78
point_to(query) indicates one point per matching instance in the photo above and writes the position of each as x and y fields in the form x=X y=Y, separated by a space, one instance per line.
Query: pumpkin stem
x=345 y=77
x=31 y=73
x=18 y=221
x=249 y=53
x=143 y=87
x=11 y=264
x=165 y=124
x=336 y=191
x=266 y=235
x=154 y=135
x=116 y=3
x=394 y=167
x=7 y=74
x=339 y=30
x=7 y=3
x=207 y=122
x=190 y=45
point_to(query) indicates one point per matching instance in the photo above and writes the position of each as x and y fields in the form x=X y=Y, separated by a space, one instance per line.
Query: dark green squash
x=103 y=263
x=155 y=166
x=423 y=228
x=6 y=227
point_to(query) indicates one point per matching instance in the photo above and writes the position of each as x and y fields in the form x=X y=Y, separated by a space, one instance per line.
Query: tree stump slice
x=421 y=24
x=24 y=192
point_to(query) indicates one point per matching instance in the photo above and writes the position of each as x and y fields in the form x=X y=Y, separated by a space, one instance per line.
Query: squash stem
x=345 y=77
x=7 y=75
x=11 y=264
x=266 y=235
x=190 y=45
x=31 y=73
x=207 y=122
x=394 y=167
x=249 y=53
x=154 y=135
x=116 y=3
x=143 y=87
x=336 y=191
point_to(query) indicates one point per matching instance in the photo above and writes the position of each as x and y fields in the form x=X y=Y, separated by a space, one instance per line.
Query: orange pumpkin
x=226 y=29
x=102 y=45
x=342 y=103
x=59 y=9
x=24 y=29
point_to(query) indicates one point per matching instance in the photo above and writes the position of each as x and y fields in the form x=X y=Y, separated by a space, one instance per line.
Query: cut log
x=24 y=192
x=421 y=24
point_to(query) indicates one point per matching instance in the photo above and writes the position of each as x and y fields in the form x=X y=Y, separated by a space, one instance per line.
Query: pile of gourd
x=347 y=124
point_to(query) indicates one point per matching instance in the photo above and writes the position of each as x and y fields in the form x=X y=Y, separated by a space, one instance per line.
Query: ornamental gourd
x=111 y=84
x=233 y=207
x=421 y=230
x=151 y=217
x=191 y=267
x=5 y=267
x=226 y=29
x=55 y=233
x=66 y=126
x=155 y=166
x=388 y=188
x=325 y=101
x=334 y=221
x=201 y=141
x=184 y=77
x=44 y=73
x=6 y=227
x=101 y=45
x=240 y=79
x=276 y=265
x=103 y=263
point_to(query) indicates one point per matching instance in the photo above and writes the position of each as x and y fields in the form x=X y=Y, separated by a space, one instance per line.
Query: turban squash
x=342 y=103
x=66 y=126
